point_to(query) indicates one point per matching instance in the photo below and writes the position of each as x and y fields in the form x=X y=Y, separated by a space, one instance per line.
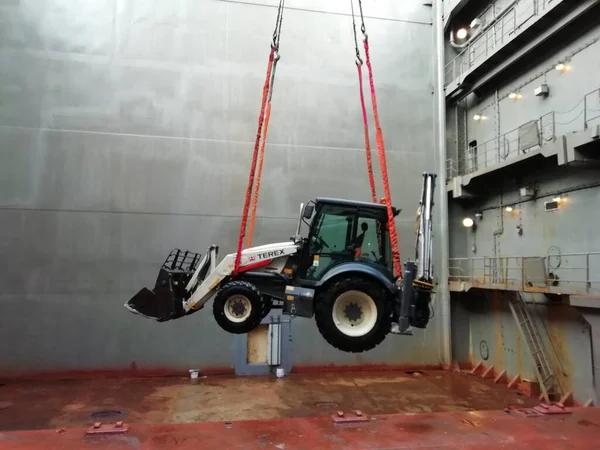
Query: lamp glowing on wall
x=561 y=67
x=462 y=33
x=508 y=209
x=515 y=96
x=478 y=116
x=467 y=222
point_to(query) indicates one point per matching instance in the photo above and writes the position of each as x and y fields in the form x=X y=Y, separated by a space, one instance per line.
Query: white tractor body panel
x=251 y=257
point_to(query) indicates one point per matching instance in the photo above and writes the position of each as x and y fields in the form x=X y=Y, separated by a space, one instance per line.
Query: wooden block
x=258 y=348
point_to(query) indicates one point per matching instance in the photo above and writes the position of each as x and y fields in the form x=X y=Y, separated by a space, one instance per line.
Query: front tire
x=238 y=307
x=354 y=314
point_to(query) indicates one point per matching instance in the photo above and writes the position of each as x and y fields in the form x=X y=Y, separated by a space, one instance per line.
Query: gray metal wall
x=541 y=229
x=126 y=129
x=571 y=229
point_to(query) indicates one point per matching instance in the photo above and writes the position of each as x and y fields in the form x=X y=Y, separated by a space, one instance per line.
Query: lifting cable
x=380 y=146
x=359 y=63
x=261 y=120
x=261 y=154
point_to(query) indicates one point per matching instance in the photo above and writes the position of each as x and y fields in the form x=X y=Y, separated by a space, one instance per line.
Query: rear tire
x=354 y=314
x=238 y=307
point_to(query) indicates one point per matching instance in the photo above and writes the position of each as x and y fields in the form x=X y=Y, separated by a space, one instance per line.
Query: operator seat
x=359 y=239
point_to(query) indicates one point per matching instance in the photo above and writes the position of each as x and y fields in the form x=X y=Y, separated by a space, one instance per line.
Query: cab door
x=330 y=241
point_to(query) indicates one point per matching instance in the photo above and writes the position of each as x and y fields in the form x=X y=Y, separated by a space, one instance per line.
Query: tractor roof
x=343 y=202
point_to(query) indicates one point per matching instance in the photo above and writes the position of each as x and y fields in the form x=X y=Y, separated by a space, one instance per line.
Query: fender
x=371 y=271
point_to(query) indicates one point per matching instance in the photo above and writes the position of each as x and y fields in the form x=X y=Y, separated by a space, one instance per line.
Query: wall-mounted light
x=479 y=215
x=462 y=33
x=508 y=209
x=515 y=96
x=561 y=67
x=478 y=117
x=467 y=222
x=557 y=199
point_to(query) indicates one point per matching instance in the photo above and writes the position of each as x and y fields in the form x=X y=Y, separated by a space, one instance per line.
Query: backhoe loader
x=340 y=272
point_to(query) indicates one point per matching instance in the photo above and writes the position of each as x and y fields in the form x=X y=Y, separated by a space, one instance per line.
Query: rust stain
x=497 y=310
x=519 y=344
x=548 y=229
x=493 y=429
x=558 y=317
x=363 y=368
x=68 y=404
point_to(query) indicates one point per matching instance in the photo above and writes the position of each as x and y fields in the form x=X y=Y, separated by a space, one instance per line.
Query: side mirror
x=308 y=211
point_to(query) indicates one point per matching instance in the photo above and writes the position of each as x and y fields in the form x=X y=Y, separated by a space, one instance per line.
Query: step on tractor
x=341 y=273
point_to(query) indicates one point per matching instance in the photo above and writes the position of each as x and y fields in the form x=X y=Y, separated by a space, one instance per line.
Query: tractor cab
x=342 y=231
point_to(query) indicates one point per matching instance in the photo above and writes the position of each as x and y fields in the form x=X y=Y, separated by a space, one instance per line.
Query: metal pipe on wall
x=443 y=294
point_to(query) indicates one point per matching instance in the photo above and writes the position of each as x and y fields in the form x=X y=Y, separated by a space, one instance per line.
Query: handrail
x=572 y=274
x=508 y=145
x=492 y=37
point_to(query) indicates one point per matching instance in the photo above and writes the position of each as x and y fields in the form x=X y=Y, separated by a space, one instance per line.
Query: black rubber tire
x=331 y=333
x=257 y=306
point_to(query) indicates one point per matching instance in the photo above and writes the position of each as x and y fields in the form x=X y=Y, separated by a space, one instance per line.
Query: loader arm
x=252 y=258
x=186 y=282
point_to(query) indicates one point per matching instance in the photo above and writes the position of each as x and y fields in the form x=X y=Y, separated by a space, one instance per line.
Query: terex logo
x=270 y=255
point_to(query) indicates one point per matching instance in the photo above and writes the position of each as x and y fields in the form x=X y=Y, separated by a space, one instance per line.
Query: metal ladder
x=535 y=345
x=488 y=270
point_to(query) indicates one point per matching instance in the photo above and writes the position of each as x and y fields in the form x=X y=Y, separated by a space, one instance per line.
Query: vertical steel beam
x=443 y=294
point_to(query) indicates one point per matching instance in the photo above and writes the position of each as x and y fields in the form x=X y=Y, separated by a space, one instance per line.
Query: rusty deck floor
x=456 y=430
x=77 y=403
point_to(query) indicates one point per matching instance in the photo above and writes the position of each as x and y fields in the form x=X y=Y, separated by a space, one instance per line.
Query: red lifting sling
x=262 y=131
x=263 y=119
x=378 y=137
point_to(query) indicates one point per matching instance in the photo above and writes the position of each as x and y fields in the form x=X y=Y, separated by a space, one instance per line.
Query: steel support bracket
x=551 y=409
x=100 y=428
x=356 y=416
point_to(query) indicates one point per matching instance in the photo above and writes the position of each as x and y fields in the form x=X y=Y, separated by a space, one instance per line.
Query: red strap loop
x=261 y=119
x=261 y=159
x=383 y=164
x=367 y=139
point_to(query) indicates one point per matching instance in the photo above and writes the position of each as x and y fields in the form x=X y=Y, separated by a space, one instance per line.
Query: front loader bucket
x=165 y=301
x=147 y=304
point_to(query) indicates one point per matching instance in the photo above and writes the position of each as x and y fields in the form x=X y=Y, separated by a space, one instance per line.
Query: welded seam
x=150 y=213
x=183 y=138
